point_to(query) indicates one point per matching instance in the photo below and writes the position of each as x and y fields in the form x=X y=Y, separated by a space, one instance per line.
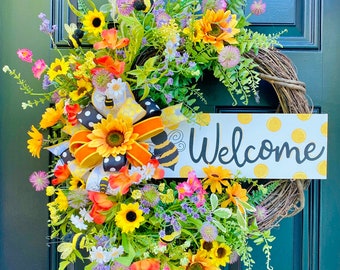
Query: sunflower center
x=221 y=252
x=207 y=246
x=115 y=138
x=195 y=266
x=81 y=90
x=57 y=68
x=215 y=175
x=131 y=216
x=215 y=30
x=96 y=22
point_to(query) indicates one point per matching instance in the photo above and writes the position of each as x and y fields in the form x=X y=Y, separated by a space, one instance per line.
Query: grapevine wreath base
x=277 y=69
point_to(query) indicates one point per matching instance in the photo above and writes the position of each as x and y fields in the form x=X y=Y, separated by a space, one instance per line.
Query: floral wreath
x=128 y=78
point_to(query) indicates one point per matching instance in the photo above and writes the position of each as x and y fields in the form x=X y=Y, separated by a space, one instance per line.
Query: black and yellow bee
x=72 y=242
x=74 y=35
x=142 y=5
x=165 y=151
x=108 y=102
x=170 y=233
x=104 y=182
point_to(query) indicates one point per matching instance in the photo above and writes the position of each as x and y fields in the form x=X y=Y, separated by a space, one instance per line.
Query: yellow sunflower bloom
x=218 y=28
x=220 y=254
x=200 y=261
x=129 y=217
x=112 y=136
x=35 y=143
x=76 y=183
x=216 y=178
x=235 y=192
x=58 y=67
x=94 y=22
x=84 y=87
x=51 y=116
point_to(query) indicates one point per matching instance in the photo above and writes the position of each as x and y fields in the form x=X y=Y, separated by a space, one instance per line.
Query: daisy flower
x=34 y=144
x=39 y=180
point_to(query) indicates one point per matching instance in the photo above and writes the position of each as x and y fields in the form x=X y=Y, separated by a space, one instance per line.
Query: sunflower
x=218 y=28
x=215 y=178
x=35 y=143
x=84 y=87
x=76 y=183
x=94 y=22
x=220 y=254
x=58 y=67
x=235 y=193
x=112 y=136
x=129 y=217
x=52 y=116
x=200 y=261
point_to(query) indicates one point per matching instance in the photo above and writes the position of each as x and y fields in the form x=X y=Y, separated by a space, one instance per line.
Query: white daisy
x=78 y=222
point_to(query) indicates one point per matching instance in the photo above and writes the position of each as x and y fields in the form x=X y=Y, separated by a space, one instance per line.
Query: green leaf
x=213 y=201
x=219 y=225
x=63 y=265
x=223 y=212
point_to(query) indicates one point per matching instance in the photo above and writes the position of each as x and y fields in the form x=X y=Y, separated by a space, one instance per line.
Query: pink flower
x=194 y=182
x=25 y=55
x=229 y=56
x=258 y=8
x=38 y=68
x=39 y=180
x=184 y=190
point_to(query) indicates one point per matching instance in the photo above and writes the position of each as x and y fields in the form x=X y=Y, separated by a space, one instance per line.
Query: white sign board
x=273 y=146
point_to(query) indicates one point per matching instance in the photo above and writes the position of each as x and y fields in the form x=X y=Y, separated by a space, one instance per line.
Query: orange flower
x=101 y=203
x=61 y=173
x=111 y=65
x=110 y=40
x=200 y=261
x=146 y=264
x=35 y=143
x=218 y=28
x=72 y=111
x=123 y=180
x=235 y=192
x=52 y=116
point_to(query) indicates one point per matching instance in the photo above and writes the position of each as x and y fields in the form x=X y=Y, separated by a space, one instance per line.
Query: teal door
x=307 y=241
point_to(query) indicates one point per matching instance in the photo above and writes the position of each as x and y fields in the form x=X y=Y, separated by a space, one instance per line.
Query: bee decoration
x=165 y=150
x=170 y=233
x=71 y=243
x=108 y=102
x=74 y=35
x=104 y=182
x=143 y=5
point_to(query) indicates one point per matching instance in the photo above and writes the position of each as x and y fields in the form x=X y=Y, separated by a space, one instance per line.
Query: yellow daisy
x=35 y=143
x=83 y=87
x=61 y=200
x=58 y=67
x=218 y=28
x=216 y=178
x=94 y=22
x=112 y=136
x=51 y=116
x=129 y=217
x=200 y=261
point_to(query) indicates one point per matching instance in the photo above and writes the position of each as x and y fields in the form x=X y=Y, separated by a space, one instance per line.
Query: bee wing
x=65 y=249
x=70 y=28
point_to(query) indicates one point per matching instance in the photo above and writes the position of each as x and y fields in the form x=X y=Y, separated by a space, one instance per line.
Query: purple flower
x=161 y=17
x=258 y=8
x=125 y=7
x=168 y=98
x=208 y=231
x=39 y=180
x=229 y=56
x=45 y=25
x=260 y=213
x=46 y=82
x=215 y=5
x=100 y=79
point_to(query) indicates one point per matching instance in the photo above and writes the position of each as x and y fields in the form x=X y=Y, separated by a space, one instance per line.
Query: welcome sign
x=273 y=146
